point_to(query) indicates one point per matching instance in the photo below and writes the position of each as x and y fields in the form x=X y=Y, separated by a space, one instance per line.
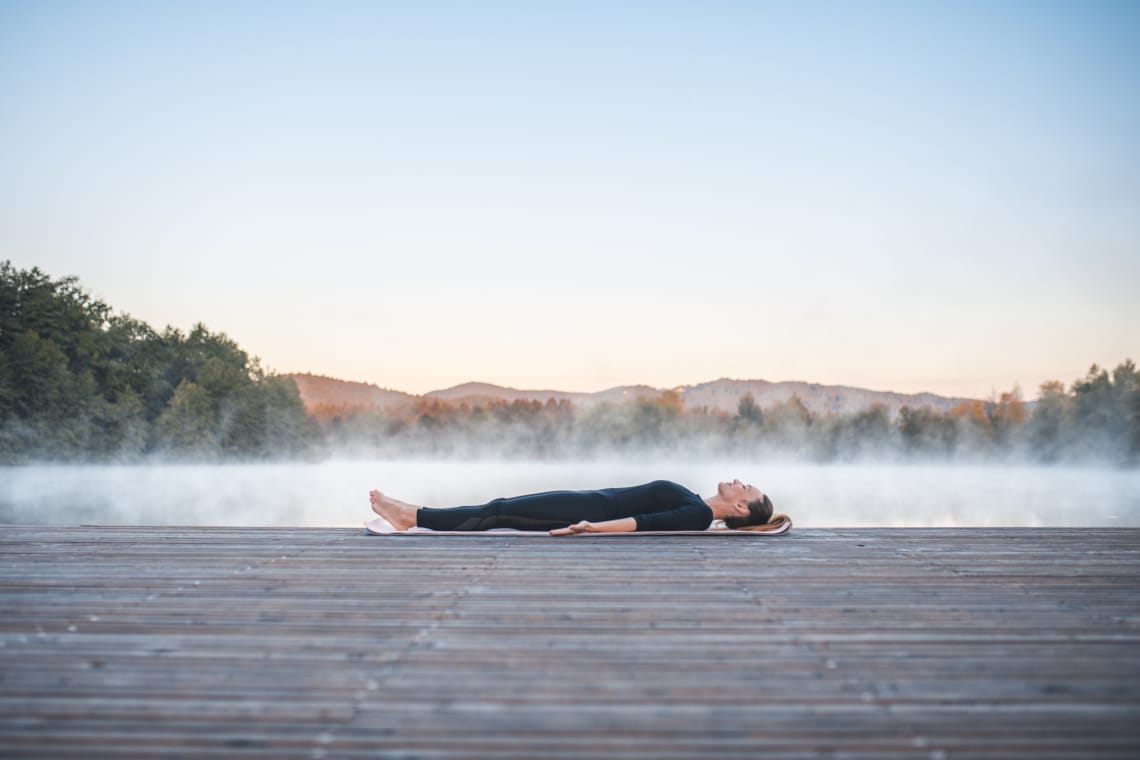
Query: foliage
x=80 y=383
x=1098 y=420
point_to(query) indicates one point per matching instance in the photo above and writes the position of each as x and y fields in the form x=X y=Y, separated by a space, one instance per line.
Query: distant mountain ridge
x=725 y=394
x=326 y=395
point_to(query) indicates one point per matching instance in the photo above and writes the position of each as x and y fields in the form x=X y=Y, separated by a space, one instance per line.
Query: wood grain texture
x=283 y=643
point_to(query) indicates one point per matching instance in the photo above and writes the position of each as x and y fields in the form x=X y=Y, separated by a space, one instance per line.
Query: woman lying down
x=658 y=506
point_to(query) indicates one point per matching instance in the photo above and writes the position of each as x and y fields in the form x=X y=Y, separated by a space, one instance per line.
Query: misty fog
x=336 y=493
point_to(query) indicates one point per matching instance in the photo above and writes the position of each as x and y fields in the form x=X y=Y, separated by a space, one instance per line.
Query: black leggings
x=536 y=511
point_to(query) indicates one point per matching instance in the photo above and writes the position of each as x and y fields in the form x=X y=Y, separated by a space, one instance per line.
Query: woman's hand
x=622 y=525
x=585 y=526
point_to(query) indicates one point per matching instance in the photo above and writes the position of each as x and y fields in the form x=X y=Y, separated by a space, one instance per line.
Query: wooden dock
x=310 y=643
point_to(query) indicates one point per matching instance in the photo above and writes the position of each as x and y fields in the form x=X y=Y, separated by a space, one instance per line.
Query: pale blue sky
x=904 y=196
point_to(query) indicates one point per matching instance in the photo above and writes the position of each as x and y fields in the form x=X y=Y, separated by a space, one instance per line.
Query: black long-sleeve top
x=660 y=505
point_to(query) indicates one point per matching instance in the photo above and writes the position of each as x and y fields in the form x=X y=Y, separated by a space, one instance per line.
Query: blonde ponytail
x=774 y=527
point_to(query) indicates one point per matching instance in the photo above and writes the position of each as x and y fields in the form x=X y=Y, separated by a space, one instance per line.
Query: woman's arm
x=624 y=525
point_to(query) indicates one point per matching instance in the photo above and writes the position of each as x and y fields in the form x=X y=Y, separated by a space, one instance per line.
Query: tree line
x=79 y=383
x=1096 y=420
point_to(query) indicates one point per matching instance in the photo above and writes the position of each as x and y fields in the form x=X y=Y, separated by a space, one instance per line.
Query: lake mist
x=335 y=493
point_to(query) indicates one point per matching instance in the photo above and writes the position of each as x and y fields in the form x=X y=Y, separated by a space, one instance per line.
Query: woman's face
x=736 y=492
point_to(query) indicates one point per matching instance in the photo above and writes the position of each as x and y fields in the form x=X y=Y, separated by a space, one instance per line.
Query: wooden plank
x=205 y=642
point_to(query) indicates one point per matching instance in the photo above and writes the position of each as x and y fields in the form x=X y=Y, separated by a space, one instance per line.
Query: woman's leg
x=539 y=511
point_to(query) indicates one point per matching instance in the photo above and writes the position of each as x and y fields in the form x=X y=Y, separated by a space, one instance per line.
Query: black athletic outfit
x=660 y=505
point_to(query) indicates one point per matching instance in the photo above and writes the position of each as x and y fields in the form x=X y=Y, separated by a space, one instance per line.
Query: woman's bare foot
x=401 y=515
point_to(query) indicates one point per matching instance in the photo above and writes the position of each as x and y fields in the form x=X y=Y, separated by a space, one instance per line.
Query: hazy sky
x=903 y=196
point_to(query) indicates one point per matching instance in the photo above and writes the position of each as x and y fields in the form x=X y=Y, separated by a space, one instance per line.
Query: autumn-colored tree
x=1007 y=417
x=1009 y=409
x=971 y=411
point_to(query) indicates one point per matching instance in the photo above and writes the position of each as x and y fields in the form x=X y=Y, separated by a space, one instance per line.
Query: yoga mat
x=381 y=527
